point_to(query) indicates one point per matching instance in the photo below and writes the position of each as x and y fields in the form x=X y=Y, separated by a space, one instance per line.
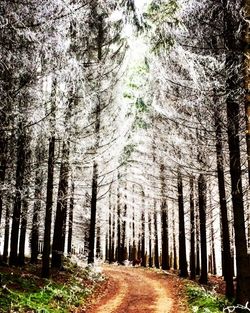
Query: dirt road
x=139 y=290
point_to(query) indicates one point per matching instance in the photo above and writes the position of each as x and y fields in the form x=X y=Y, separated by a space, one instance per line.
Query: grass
x=23 y=291
x=204 y=301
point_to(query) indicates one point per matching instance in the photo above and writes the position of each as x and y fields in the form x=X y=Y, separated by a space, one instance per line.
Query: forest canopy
x=124 y=135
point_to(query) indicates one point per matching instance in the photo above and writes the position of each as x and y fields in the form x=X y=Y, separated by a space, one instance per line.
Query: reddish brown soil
x=138 y=290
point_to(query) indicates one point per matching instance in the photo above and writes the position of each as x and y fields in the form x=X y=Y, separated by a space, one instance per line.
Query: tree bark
x=156 y=245
x=61 y=210
x=20 y=167
x=48 y=213
x=225 y=235
x=23 y=229
x=197 y=263
x=192 y=231
x=71 y=218
x=6 y=233
x=124 y=249
x=150 y=259
x=182 y=237
x=164 y=237
x=246 y=39
x=143 y=252
x=37 y=204
x=202 y=213
x=91 y=256
x=234 y=61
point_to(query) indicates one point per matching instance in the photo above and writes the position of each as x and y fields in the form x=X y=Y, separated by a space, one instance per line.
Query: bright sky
x=141 y=3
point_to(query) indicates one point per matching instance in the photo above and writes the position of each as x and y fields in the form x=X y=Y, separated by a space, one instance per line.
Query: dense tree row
x=127 y=148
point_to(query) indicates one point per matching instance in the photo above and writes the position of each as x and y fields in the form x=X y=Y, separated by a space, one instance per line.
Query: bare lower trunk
x=48 y=213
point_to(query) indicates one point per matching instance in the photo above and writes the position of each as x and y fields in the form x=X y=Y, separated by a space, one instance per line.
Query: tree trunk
x=35 y=226
x=156 y=246
x=197 y=263
x=226 y=253
x=3 y=165
x=91 y=256
x=143 y=235
x=124 y=249
x=164 y=237
x=98 y=242
x=110 y=257
x=48 y=213
x=113 y=237
x=71 y=217
x=6 y=233
x=23 y=230
x=182 y=237
x=150 y=259
x=174 y=241
x=234 y=61
x=61 y=210
x=192 y=231
x=20 y=167
x=246 y=35
x=202 y=213
x=37 y=204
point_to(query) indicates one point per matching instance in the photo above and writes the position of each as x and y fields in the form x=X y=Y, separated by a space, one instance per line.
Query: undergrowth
x=204 y=301
x=29 y=293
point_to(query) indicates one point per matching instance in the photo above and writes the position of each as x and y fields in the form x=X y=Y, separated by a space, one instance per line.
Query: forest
x=125 y=137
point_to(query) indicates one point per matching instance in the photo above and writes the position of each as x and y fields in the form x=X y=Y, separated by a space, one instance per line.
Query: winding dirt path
x=138 y=290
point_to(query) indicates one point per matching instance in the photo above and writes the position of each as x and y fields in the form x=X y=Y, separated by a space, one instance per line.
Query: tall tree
x=192 y=230
x=226 y=251
x=48 y=213
x=202 y=189
x=182 y=237
x=20 y=168
x=233 y=84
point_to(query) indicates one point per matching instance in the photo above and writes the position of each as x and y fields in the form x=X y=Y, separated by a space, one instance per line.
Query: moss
x=204 y=301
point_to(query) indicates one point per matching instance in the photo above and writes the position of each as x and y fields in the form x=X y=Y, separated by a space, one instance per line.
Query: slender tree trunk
x=48 y=213
x=98 y=241
x=113 y=237
x=197 y=263
x=61 y=210
x=174 y=242
x=23 y=230
x=6 y=233
x=71 y=218
x=182 y=236
x=133 y=257
x=119 y=250
x=150 y=259
x=164 y=222
x=234 y=60
x=226 y=253
x=37 y=204
x=202 y=212
x=110 y=258
x=20 y=167
x=164 y=237
x=246 y=35
x=242 y=258
x=156 y=246
x=99 y=43
x=124 y=249
x=192 y=231
x=3 y=165
x=143 y=252
x=91 y=256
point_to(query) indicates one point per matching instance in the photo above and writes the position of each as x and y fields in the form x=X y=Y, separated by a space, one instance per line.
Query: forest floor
x=139 y=290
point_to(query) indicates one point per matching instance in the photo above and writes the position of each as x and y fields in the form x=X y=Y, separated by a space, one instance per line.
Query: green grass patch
x=204 y=301
x=30 y=293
